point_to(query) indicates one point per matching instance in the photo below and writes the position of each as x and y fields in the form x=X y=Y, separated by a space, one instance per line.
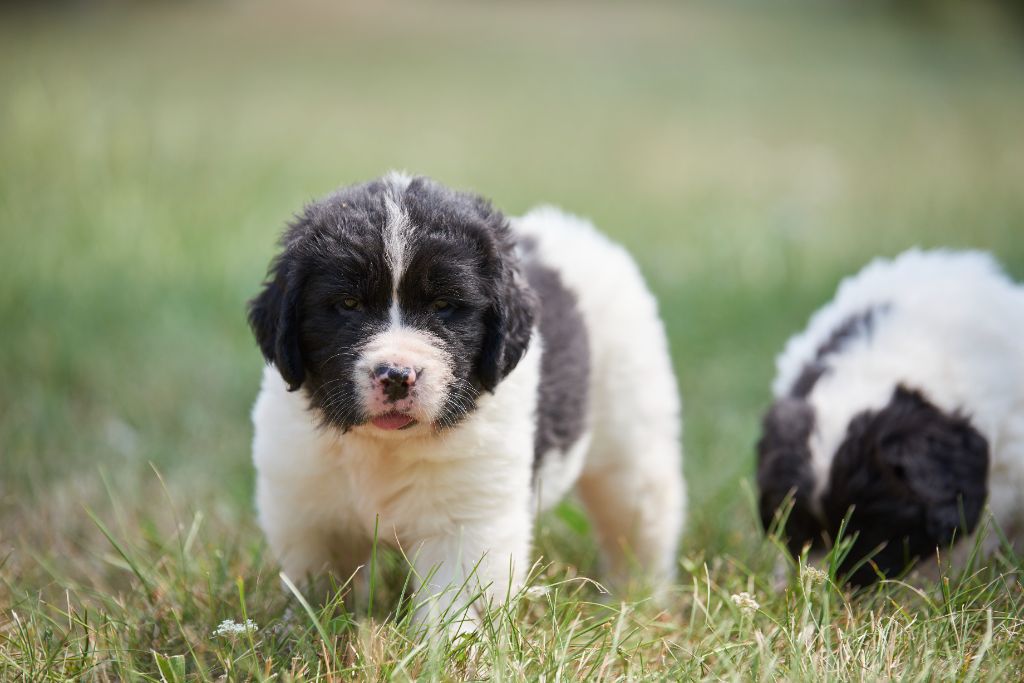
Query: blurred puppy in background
x=902 y=405
x=440 y=373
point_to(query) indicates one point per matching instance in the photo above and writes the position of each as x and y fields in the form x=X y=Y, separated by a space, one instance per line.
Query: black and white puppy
x=903 y=400
x=441 y=373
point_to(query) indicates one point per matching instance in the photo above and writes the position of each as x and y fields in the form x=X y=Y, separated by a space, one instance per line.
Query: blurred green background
x=749 y=154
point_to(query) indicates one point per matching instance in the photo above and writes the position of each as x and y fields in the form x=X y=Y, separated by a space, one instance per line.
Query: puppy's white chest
x=398 y=496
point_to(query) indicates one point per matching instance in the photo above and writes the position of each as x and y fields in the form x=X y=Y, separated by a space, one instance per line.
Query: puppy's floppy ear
x=784 y=470
x=274 y=319
x=912 y=461
x=944 y=463
x=508 y=323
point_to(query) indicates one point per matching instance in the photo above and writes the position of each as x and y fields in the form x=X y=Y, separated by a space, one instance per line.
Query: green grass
x=749 y=156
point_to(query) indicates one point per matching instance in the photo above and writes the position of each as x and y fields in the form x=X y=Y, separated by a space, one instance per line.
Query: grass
x=749 y=156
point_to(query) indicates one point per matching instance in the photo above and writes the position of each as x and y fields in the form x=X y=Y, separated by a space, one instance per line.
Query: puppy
x=902 y=405
x=440 y=374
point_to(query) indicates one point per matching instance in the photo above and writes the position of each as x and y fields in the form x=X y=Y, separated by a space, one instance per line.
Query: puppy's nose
x=394 y=380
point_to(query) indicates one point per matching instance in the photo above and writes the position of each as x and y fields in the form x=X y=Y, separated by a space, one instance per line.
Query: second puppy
x=902 y=405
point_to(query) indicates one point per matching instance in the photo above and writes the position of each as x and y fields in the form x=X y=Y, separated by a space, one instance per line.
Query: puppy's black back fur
x=565 y=362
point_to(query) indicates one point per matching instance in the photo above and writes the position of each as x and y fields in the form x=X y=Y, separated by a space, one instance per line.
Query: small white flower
x=231 y=628
x=814 y=575
x=746 y=602
x=537 y=592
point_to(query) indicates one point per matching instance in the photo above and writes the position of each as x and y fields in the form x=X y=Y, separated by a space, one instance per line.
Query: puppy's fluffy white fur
x=460 y=503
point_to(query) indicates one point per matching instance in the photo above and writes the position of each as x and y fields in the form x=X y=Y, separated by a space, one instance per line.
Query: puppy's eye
x=442 y=306
x=350 y=303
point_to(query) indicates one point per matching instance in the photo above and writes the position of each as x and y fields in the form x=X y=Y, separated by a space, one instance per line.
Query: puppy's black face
x=910 y=477
x=394 y=305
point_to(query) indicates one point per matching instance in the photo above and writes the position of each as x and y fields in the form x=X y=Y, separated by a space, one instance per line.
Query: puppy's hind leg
x=635 y=499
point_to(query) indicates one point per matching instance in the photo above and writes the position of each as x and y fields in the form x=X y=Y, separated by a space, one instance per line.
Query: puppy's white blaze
x=395 y=313
x=412 y=348
x=399 y=180
x=396 y=236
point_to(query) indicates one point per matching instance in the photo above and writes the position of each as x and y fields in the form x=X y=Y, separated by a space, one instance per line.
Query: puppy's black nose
x=395 y=381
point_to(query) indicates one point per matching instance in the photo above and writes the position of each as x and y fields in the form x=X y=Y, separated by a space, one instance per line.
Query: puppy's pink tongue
x=391 y=421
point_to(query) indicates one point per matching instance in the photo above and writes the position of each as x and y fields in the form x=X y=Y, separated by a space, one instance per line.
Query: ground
x=749 y=156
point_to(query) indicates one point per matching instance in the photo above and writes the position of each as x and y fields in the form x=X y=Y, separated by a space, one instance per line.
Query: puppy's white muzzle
x=403 y=372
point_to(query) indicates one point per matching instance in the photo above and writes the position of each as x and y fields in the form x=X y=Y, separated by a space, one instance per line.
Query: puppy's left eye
x=442 y=306
x=350 y=303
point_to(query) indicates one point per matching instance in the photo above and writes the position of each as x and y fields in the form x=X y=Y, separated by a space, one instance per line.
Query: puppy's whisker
x=335 y=399
x=347 y=353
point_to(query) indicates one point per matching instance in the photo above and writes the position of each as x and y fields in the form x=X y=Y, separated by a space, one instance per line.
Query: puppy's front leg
x=459 y=576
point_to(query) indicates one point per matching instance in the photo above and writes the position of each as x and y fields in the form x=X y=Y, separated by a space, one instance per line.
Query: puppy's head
x=910 y=477
x=394 y=305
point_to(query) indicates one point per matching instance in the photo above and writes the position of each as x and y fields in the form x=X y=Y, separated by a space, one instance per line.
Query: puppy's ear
x=913 y=473
x=508 y=323
x=274 y=319
x=943 y=462
x=784 y=471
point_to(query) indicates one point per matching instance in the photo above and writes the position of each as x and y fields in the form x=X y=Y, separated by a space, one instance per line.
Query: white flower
x=230 y=628
x=814 y=575
x=746 y=602
x=536 y=592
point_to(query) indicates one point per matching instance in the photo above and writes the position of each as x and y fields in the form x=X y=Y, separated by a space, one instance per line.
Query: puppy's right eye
x=348 y=304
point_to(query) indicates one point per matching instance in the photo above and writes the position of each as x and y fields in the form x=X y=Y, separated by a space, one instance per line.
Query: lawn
x=749 y=156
